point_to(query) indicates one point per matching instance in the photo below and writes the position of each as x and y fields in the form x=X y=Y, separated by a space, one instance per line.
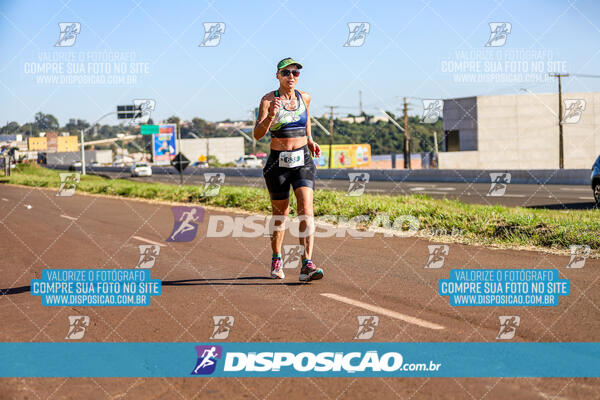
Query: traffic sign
x=129 y=111
x=148 y=129
x=180 y=162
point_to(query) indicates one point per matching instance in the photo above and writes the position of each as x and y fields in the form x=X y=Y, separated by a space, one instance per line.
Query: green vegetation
x=383 y=136
x=497 y=225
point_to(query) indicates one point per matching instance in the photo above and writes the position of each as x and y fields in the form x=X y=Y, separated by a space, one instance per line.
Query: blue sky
x=402 y=54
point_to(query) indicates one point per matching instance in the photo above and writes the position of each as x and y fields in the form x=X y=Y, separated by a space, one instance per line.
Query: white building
x=226 y=149
x=520 y=131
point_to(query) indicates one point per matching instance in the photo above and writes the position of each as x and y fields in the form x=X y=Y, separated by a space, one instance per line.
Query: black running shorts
x=280 y=178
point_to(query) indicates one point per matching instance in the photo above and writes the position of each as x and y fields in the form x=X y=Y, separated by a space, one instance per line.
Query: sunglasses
x=287 y=72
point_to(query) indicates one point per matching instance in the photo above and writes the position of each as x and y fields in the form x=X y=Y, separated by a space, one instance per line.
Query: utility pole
x=179 y=152
x=82 y=154
x=561 y=155
x=435 y=143
x=331 y=135
x=254 y=112
x=360 y=102
x=406 y=137
x=207 y=147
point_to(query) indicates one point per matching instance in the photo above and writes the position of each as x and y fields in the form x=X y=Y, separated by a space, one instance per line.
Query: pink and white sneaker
x=277 y=269
x=310 y=272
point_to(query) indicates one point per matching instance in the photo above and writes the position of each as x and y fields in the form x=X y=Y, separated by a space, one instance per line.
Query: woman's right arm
x=266 y=114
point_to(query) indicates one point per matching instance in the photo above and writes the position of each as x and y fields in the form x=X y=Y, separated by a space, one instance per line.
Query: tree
x=173 y=120
x=10 y=128
x=74 y=126
x=45 y=121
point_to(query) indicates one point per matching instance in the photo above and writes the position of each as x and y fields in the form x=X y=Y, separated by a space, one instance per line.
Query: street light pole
x=406 y=137
x=83 y=131
x=561 y=154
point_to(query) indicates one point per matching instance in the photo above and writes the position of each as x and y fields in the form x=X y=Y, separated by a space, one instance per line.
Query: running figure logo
x=579 y=253
x=366 y=326
x=68 y=184
x=213 y=182
x=358 y=183
x=186 y=223
x=437 y=255
x=432 y=110
x=77 y=325
x=212 y=34
x=508 y=326
x=222 y=326
x=358 y=33
x=574 y=109
x=146 y=106
x=148 y=255
x=207 y=359
x=499 y=32
x=68 y=33
x=500 y=181
x=292 y=255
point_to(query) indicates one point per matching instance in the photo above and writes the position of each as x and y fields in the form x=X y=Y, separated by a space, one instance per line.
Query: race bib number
x=291 y=159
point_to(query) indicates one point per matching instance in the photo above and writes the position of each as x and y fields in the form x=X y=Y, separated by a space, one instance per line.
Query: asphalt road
x=535 y=196
x=229 y=276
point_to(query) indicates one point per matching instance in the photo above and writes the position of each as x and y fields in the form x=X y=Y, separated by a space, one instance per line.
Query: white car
x=141 y=169
x=249 y=162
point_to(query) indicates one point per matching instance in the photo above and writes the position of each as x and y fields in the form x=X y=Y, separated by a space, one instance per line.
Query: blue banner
x=350 y=359
x=504 y=287
x=163 y=144
x=96 y=287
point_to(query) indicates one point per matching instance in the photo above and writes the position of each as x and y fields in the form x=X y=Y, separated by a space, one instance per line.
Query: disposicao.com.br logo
x=309 y=362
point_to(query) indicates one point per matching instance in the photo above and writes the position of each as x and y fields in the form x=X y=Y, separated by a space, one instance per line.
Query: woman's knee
x=280 y=207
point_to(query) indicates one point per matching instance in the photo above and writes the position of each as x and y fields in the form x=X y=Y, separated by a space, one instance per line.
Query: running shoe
x=277 y=269
x=310 y=272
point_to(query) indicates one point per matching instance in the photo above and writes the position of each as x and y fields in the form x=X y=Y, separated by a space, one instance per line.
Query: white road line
x=67 y=217
x=3 y=199
x=431 y=192
x=510 y=195
x=576 y=189
x=384 y=311
x=586 y=198
x=148 y=241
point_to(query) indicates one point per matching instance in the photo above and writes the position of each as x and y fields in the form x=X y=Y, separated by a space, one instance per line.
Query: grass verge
x=466 y=223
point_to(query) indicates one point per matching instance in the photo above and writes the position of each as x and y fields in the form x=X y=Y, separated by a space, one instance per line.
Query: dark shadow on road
x=566 y=206
x=15 y=290
x=228 y=281
x=187 y=282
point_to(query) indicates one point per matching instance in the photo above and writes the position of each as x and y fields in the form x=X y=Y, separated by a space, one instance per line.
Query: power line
x=585 y=76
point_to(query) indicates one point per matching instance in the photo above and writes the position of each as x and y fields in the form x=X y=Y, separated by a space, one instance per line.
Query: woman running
x=284 y=113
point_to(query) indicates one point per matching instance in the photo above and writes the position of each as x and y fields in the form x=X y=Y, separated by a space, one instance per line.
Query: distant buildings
x=360 y=119
x=232 y=124
x=520 y=131
x=226 y=149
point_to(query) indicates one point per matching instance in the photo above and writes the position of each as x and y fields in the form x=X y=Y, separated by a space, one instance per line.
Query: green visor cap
x=287 y=61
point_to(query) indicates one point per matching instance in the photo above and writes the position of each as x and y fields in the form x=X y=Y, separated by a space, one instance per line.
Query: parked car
x=595 y=181
x=141 y=169
x=200 y=164
x=248 y=162
x=75 y=165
